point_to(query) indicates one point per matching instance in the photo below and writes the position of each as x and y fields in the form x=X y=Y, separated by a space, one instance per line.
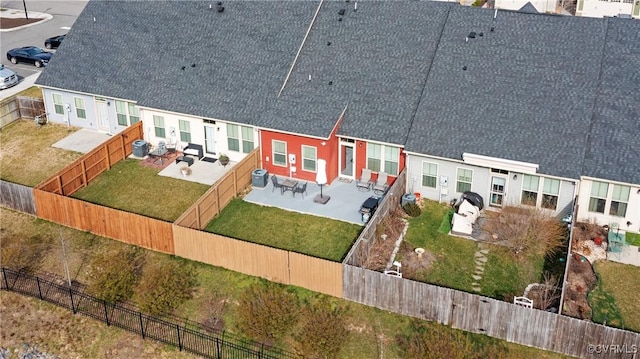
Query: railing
x=189 y=340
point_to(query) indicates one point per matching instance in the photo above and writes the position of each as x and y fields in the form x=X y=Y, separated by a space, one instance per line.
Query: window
x=374 y=157
x=81 y=112
x=57 y=104
x=598 y=197
x=134 y=114
x=121 y=111
x=309 y=157
x=619 y=200
x=158 y=123
x=279 y=153
x=235 y=134
x=530 y=185
x=391 y=155
x=550 y=192
x=429 y=174
x=185 y=130
x=233 y=138
x=463 y=184
x=247 y=139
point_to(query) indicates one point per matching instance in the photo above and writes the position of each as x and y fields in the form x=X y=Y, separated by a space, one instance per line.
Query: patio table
x=158 y=154
x=288 y=185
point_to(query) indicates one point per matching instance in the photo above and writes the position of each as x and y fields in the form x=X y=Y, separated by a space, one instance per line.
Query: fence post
x=4 y=275
x=73 y=307
x=39 y=290
x=218 y=353
x=141 y=325
x=106 y=313
x=179 y=341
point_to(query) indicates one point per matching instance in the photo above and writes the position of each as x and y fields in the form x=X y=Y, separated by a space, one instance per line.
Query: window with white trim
x=134 y=114
x=158 y=123
x=279 y=155
x=58 y=105
x=309 y=158
x=233 y=138
x=81 y=111
x=121 y=111
x=429 y=174
x=619 y=200
x=598 y=198
x=464 y=179
x=550 y=193
x=530 y=187
x=185 y=130
x=383 y=158
x=247 y=139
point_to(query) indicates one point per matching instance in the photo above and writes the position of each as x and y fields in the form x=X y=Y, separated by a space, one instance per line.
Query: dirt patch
x=10 y=23
x=580 y=280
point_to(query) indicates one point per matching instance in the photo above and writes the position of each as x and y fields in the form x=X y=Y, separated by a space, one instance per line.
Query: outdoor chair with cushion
x=300 y=188
x=364 y=182
x=276 y=184
x=380 y=187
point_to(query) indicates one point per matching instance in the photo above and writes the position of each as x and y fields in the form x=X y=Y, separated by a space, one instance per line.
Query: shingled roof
x=561 y=92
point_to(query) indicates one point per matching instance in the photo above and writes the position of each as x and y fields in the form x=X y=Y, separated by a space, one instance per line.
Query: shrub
x=165 y=285
x=323 y=331
x=412 y=209
x=113 y=275
x=266 y=311
x=25 y=254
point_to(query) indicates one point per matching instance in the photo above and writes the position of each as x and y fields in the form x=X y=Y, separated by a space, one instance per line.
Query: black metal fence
x=187 y=339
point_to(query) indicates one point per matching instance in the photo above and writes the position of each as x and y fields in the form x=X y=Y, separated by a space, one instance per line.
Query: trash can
x=139 y=148
x=408 y=198
x=259 y=178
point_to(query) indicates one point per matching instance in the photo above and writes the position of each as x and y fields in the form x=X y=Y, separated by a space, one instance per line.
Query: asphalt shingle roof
x=562 y=92
x=528 y=91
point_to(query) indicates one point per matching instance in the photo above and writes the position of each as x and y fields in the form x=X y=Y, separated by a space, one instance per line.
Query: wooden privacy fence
x=221 y=193
x=16 y=107
x=276 y=265
x=78 y=174
x=474 y=313
x=17 y=196
x=360 y=250
x=123 y=226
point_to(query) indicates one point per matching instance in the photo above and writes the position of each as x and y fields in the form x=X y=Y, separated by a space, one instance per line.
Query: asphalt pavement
x=58 y=17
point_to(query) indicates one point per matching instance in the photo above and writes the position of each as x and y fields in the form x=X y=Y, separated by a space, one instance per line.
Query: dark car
x=53 y=42
x=31 y=54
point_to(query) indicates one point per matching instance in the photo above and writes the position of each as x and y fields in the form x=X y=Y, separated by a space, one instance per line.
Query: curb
x=16 y=14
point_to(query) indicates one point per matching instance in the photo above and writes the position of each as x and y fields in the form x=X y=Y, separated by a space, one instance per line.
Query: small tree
x=165 y=284
x=548 y=291
x=113 y=274
x=266 y=311
x=323 y=331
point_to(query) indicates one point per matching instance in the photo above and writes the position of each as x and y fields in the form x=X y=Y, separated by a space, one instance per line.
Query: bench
x=193 y=149
x=186 y=159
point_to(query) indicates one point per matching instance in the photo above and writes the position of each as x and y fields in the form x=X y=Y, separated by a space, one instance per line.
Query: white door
x=103 y=115
x=497 y=191
x=210 y=139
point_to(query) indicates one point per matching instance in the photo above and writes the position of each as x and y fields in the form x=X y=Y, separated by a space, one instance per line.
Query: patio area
x=201 y=171
x=344 y=204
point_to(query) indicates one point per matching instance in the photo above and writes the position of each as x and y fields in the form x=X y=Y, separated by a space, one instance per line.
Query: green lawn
x=316 y=236
x=616 y=296
x=128 y=186
x=455 y=262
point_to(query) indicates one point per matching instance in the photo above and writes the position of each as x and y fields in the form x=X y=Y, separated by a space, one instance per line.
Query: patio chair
x=300 y=188
x=380 y=187
x=276 y=184
x=364 y=182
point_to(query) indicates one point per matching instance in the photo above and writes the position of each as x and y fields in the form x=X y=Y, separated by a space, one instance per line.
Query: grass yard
x=372 y=333
x=616 y=296
x=315 y=236
x=128 y=186
x=454 y=262
x=27 y=157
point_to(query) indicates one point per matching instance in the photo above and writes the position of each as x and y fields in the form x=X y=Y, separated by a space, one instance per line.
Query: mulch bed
x=10 y=23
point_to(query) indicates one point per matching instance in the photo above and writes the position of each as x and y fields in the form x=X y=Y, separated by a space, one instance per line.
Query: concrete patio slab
x=82 y=141
x=344 y=204
x=629 y=255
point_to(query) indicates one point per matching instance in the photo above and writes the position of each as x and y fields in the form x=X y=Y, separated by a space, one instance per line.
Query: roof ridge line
x=426 y=78
x=295 y=59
